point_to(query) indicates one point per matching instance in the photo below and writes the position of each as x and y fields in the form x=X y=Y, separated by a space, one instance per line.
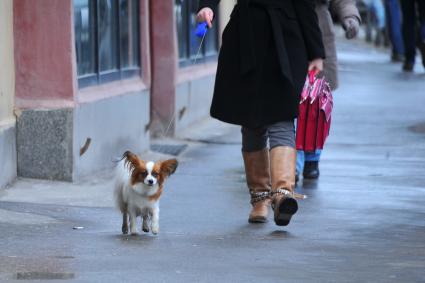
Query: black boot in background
x=311 y=170
x=380 y=37
x=408 y=66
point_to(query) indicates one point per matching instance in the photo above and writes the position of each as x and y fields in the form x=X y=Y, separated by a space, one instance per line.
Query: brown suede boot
x=284 y=204
x=257 y=170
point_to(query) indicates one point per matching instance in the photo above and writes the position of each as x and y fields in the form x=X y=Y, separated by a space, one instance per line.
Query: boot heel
x=257 y=219
x=285 y=210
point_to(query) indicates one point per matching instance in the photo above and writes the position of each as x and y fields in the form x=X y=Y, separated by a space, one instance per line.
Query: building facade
x=86 y=80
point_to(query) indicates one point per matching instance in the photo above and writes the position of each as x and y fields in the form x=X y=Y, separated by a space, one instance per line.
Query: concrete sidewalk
x=364 y=220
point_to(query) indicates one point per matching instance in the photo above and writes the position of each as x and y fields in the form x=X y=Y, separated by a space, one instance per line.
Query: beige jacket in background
x=343 y=9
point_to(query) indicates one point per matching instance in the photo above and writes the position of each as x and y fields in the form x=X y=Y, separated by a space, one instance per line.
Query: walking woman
x=267 y=48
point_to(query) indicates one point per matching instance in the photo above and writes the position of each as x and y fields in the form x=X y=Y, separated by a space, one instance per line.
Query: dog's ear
x=169 y=166
x=131 y=160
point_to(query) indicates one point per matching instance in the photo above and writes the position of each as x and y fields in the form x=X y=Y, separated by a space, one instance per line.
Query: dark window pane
x=189 y=44
x=181 y=22
x=107 y=30
x=107 y=40
x=194 y=41
x=135 y=38
x=129 y=33
x=85 y=44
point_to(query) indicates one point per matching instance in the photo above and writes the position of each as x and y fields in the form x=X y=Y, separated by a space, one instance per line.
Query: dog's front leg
x=124 y=227
x=155 y=220
x=145 y=226
x=133 y=222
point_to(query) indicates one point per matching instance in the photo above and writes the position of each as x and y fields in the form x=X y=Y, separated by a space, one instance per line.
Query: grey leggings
x=278 y=134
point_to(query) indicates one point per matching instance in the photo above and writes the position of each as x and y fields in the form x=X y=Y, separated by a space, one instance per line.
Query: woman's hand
x=351 y=26
x=205 y=15
x=316 y=64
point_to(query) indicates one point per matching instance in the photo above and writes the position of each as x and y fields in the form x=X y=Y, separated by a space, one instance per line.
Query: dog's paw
x=145 y=226
x=124 y=229
x=155 y=230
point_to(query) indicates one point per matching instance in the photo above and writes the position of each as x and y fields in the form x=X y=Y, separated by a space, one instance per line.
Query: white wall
x=7 y=74
x=226 y=8
x=7 y=93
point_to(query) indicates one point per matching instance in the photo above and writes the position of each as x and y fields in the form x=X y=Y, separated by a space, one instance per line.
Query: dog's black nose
x=150 y=182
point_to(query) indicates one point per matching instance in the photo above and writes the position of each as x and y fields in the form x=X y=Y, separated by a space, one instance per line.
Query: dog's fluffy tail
x=121 y=181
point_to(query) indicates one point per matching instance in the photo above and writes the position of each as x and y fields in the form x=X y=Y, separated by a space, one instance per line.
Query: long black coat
x=263 y=60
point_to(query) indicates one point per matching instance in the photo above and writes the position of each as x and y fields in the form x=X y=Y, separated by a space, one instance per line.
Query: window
x=107 y=40
x=188 y=42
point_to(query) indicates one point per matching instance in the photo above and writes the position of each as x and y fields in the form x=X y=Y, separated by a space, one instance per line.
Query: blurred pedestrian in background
x=346 y=11
x=393 y=16
x=413 y=31
x=267 y=48
x=376 y=20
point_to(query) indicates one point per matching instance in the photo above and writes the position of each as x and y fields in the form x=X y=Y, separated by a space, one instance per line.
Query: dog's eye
x=144 y=173
x=154 y=174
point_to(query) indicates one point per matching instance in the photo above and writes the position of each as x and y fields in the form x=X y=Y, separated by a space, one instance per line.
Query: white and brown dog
x=138 y=187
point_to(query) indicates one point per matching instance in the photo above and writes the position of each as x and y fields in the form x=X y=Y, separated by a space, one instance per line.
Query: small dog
x=138 y=187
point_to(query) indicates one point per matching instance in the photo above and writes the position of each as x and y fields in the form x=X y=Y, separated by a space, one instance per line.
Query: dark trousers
x=411 y=9
x=277 y=134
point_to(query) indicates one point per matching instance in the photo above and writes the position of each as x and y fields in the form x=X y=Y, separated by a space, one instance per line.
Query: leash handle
x=201 y=29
